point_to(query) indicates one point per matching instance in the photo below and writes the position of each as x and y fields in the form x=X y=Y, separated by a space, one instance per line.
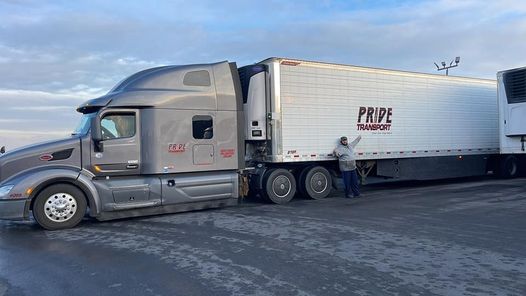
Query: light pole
x=444 y=67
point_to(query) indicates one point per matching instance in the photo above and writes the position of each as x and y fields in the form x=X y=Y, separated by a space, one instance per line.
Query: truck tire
x=315 y=182
x=280 y=186
x=59 y=206
x=509 y=167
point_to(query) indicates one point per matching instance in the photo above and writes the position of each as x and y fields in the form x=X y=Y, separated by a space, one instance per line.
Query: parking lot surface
x=460 y=237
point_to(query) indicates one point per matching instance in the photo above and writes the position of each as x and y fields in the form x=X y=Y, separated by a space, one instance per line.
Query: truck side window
x=202 y=127
x=197 y=78
x=116 y=126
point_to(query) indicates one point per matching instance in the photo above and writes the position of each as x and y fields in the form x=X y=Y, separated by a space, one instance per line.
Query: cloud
x=93 y=43
x=32 y=116
x=62 y=53
x=3 y=120
x=31 y=95
x=29 y=134
x=42 y=108
x=17 y=138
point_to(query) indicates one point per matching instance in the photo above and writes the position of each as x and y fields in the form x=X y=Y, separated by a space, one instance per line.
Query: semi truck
x=181 y=138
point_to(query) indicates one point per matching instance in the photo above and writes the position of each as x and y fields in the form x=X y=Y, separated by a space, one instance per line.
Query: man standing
x=347 y=162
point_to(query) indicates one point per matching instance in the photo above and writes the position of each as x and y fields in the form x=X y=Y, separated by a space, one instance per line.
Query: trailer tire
x=509 y=167
x=315 y=182
x=300 y=176
x=280 y=186
x=59 y=206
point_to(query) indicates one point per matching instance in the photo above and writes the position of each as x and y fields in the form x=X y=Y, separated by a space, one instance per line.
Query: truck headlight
x=4 y=190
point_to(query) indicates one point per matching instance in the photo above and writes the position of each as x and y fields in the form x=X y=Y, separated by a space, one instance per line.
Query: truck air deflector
x=94 y=105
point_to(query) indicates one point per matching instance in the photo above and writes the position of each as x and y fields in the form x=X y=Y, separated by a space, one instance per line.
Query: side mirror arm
x=99 y=145
x=96 y=134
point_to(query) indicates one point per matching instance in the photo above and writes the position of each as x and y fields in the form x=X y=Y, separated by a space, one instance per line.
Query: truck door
x=121 y=150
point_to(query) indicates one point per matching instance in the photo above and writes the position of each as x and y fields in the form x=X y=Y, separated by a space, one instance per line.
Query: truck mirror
x=2 y=150
x=96 y=134
x=98 y=145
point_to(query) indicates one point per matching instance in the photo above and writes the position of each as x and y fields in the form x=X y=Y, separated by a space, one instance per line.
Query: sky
x=56 y=54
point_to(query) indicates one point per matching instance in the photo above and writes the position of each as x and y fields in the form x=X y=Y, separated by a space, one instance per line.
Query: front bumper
x=14 y=209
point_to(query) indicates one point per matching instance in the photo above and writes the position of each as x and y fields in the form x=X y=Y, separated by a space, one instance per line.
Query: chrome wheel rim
x=60 y=207
x=318 y=182
x=281 y=186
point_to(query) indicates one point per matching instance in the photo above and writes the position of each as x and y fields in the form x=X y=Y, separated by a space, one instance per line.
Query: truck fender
x=256 y=178
x=85 y=183
x=31 y=182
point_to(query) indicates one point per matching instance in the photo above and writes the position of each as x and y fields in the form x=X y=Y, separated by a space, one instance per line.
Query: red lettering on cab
x=227 y=153
x=176 y=148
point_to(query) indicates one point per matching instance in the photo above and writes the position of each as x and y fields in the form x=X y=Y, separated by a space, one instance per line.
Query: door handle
x=132 y=166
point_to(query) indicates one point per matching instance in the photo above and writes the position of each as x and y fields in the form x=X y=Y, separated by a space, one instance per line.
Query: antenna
x=444 y=67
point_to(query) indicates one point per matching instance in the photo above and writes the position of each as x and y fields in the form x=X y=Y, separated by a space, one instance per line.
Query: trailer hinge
x=272 y=115
x=522 y=142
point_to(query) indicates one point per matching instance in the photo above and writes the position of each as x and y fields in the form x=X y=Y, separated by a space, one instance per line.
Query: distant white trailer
x=413 y=125
x=512 y=120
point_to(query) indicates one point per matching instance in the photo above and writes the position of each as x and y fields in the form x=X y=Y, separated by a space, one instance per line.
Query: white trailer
x=512 y=120
x=413 y=125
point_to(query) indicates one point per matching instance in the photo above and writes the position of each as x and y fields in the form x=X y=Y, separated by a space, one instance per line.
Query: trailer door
x=121 y=144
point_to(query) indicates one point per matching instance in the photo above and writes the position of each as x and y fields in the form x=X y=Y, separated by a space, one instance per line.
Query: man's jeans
x=350 y=180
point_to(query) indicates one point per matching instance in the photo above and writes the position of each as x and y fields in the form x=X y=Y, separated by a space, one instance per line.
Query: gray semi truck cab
x=163 y=140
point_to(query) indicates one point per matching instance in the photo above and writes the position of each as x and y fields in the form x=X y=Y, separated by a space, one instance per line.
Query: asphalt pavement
x=453 y=237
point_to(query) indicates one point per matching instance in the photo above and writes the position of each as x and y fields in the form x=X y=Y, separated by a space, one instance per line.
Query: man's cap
x=344 y=138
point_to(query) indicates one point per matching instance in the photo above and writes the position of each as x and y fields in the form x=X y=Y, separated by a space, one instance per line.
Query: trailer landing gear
x=364 y=168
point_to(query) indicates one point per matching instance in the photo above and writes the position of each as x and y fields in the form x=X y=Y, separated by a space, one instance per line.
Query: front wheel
x=280 y=186
x=59 y=206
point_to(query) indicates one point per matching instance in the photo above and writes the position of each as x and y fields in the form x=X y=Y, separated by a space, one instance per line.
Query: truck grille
x=515 y=85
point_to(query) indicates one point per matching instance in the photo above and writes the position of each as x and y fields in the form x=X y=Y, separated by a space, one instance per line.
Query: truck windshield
x=84 y=124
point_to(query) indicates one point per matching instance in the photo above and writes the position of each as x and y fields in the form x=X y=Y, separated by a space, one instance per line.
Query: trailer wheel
x=315 y=182
x=509 y=167
x=59 y=206
x=280 y=186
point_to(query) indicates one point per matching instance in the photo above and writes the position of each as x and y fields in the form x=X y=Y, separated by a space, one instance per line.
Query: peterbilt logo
x=46 y=157
x=374 y=119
